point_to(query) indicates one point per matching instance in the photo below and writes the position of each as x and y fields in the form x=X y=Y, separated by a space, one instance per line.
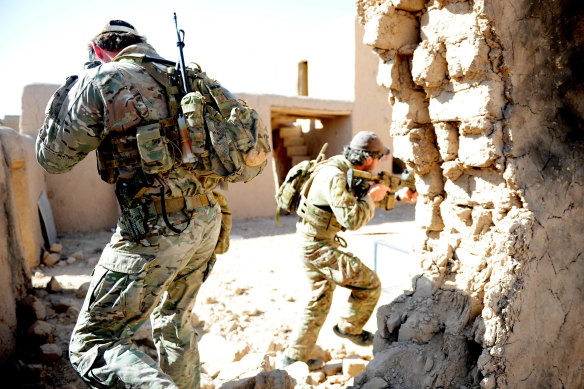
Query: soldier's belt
x=179 y=203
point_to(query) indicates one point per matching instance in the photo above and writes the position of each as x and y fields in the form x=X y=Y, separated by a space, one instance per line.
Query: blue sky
x=45 y=41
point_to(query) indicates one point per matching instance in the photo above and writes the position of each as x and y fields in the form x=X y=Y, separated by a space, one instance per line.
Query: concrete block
x=294 y=141
x=392 y=30
x=290 y=132
x=429 y=67
x=296 y=150
x=409 y=5
x=483 y=100
x=469 y=56
x=447 y=140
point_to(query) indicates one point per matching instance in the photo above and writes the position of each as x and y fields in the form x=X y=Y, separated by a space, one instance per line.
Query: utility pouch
x=154 y=154
x=223 y=241
x=192 y=105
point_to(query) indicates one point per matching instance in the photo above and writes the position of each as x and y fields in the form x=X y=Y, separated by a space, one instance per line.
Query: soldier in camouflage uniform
x=157 y=274
x=327 y=207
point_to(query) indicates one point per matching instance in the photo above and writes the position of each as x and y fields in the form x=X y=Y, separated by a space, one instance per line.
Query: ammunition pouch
x=318 y=217
x=223 y=241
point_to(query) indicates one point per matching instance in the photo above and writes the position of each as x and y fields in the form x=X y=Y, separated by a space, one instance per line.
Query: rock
x=206 y=382
x=34 y=307
x=82 y=290
x=375 y=383
x=354 y=366
x=41 y=332
x=71 y=260
x=317 y=377
x=50 y=352
x=298 y=371
x=54 y=285
x=333 y=367
x=51 y=259
x=93 y=261
x=78 y=255
x=56 y=248
x=242 y=351
x=40 y=281
x=277 y=379
x=62 y=303
x=250 y=365
x=245 y=383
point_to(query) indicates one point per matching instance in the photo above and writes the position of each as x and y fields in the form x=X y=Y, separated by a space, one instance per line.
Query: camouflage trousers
x=159 y=277
x=326 y=267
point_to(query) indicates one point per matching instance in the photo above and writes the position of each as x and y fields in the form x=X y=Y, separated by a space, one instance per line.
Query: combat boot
x=365 y=338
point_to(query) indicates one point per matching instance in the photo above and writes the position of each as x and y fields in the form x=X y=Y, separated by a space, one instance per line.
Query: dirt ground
x=248 y=309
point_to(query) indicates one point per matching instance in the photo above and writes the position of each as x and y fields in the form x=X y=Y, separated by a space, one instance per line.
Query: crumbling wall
x=487 y=111
x=14 y=272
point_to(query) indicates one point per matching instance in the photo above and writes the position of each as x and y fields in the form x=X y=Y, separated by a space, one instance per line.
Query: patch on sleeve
x=340 y=195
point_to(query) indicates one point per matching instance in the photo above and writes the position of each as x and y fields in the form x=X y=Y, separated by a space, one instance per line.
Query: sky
x=245 y=44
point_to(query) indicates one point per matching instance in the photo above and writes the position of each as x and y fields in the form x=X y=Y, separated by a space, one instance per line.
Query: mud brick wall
x=488 y=111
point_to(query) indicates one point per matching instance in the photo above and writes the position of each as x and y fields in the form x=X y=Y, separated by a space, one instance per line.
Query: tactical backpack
x=227 y=137
x=289 y=193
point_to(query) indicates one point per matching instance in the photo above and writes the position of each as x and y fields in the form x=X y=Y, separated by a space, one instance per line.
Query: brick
x=296 y=150
x=51 y=259
x=470 y=56
x=450 y=23
x=480 y=151
x=447 y=140
x=409 y=5
x=429 y=67
x=294 y=141
x=391 y=31
x=418 y=147
x=428 y=213
x=395 y=74
x=483 y=100
x=290 y=131
x=410 y=109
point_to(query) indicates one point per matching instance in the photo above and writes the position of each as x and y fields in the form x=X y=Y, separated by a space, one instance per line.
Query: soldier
x=326 y=208
x=163 y=247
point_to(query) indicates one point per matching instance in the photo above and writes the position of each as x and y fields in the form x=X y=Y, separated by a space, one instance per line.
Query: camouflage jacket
x=329 y=191
x=108 y=102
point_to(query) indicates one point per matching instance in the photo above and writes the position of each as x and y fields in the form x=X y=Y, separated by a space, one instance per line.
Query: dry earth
x=247 y=311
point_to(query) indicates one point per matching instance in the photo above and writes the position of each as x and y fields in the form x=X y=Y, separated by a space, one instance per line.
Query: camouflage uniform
x=328 y=208
x=157 y=276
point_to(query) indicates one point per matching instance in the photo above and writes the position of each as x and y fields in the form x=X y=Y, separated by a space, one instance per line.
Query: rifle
x=360 y=181
x=185 y=139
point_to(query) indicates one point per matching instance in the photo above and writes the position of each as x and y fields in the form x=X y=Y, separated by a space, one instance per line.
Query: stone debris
x=51 y=259
x=82 y=290
x=50 y=352
x=56 y=248
x=93 y=261
x=354 y=366
x=71 y=260
x=41 y=332
x=78 y=255
x=54 y=285
x=333 y=367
